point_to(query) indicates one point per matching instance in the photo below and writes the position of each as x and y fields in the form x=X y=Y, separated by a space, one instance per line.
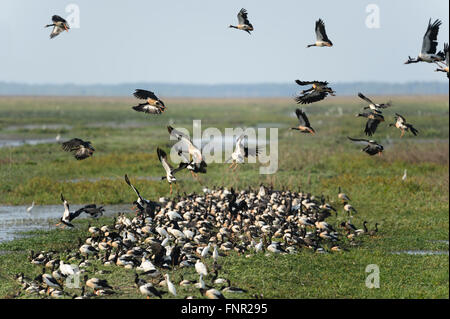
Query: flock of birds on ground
x=197 y=230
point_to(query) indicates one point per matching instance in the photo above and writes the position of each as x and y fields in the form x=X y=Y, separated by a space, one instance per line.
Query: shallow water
x=21 y=142
x=16 y=219
x=422 y=252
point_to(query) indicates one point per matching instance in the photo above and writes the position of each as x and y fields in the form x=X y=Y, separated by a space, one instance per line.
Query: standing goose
x=446 y=63
x=67 y=217
x=317 y=92
x=243 y=23
x=97 y=284
x=342 y=196
x=400 y=123
x=147 y=289
x=59 y=25
x=321 y=36
x=429 y=45
x=373 y=119
x=212 y=293
x=48 y=280
x=373 y=106
x=241 y=152
x=169 y=170
x=153 y=104
x=372 y=147
x=305 y=126
x=196 y=154
x=79 y=148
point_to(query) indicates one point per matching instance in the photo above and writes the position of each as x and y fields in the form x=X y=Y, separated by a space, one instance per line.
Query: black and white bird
x=92 y=210
x=444 y=68
x=241 y=152
x=429 y=45
x=170 y=171
x=79 y=148
x=321 y=36
x=373 y=119
x=317 y=92
x=144 y=205
x=371 y=148
x=152 y=105
x=243 y=22
x=401 y=124
x=304 y=126
x=59 y=25
x=197 y=163
x=373 y=106
x=67 y=217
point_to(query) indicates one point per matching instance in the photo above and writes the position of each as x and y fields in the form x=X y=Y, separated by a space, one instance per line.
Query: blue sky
x=188 y=41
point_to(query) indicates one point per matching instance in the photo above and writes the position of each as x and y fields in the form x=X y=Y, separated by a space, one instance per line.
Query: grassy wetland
x=413 y=215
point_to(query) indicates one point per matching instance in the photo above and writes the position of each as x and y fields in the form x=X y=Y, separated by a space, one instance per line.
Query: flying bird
x=146 y=206
x=241 y=152
x=373 y=119
x=304 y=126
x=79 y=148
x=317 y=92
x=92 y=210
x=243 y=23
x=198 y=164
x=371 y=148
x=429 y=45
x=373 y=106
x=67 y=217
x=444 y=68
x=400 y=123
x=170 y=171
x=153 y=104
x=59 y=25
x=321 y=36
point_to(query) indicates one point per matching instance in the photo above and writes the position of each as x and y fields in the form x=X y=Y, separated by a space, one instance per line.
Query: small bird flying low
x=170 y=171
x=59 y=25
x=79 y=148
x=317 y=92
x=429 y=45
x=400 y=123
x=241 y=152
x=304 y=126
x=67 y=217
x=321 y=36
x=153 y=104
x=371 y=148
x=373 y=119
x=243 y=22
x=373 y=106
x=92 y=210
x=147 y=206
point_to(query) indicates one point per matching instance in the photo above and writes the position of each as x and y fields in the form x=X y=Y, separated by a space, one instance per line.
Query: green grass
x=413 y=215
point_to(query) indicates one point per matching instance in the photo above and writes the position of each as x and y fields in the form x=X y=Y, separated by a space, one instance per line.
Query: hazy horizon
x=185 y=42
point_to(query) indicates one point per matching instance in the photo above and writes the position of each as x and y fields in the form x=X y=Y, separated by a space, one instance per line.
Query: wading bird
x=444 y=68
x=59 y=25
x=170 y=172
x=304 y=126
x=373 y=119
x=371 y=148
x=79 y=148
x=400 y=123
x=429 y=45
x=67 y=217
x=243 y=23
x=321 y=36
x=153 y=104
x=317 y=92
x=241 y=152
x=29 y=209
x=373 y=106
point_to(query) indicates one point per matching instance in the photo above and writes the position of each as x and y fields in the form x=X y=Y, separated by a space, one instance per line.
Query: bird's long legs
x=403 y=133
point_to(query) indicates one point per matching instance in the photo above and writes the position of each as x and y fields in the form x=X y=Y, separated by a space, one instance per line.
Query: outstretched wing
x=251 y=151
x=302 y=118
x=302 y=83
x=429 y=44
x=57 y=18
x=72 y=145
x=358 y=140
x=163 y=159
x=371 y=127
x=365 y=98
x=321 y=34
x=242 y=17
x=134 y=188
x=144 y=94
x=312 y=97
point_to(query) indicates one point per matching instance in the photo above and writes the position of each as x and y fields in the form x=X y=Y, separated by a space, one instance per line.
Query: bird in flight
x=170 y=171
x=79 y=148
x=243 y=22
x=429 y=45
x=59 y=25
x=373 y=106
x=144 y=205
x=400 y=123
x=241 y=152
x=304 y=126
x=373 y=119
x=67 y=217
x=321 y=36
x=444 y=68
x=371 y=148
x=152 y=105
x=317 y=92
x=92 y=210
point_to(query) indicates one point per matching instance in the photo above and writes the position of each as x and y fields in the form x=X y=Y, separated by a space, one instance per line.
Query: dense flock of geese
x=195 y=231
